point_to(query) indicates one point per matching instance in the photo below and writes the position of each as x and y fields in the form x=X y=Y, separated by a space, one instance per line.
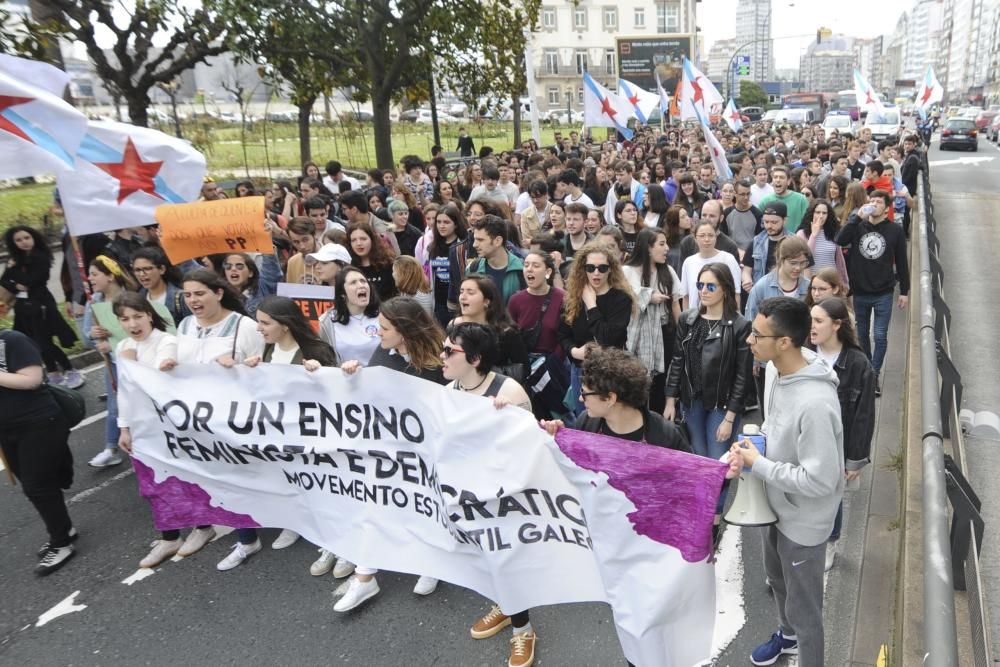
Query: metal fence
x=952 y=539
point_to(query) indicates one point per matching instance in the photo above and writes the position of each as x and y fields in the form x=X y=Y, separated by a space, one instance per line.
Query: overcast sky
x=855 y=18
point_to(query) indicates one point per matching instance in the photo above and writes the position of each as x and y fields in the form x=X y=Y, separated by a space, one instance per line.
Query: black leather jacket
x=725 y=363
x=856 y=393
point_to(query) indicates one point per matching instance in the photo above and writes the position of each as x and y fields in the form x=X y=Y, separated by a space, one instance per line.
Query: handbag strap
x=535 y=332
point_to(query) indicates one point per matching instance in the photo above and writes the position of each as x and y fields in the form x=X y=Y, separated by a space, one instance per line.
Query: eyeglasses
x=585 y=394
x=449 y=350
x=234 y=267
x=711 y=287
x=757 y=336
x=143 y=270
x=599 y=268
x=801 y=264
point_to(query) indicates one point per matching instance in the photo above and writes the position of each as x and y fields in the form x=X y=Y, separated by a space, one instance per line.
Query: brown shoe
x=522 y=649
x=490 y=624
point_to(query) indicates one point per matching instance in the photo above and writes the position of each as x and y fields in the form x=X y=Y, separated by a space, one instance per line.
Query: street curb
x=86 y=358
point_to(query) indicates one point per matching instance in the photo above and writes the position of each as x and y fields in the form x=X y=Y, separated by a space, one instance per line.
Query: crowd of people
x=625 y=288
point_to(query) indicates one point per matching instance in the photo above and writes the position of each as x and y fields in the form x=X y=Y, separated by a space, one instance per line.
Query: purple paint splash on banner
x=178 y=504
x=674 y=493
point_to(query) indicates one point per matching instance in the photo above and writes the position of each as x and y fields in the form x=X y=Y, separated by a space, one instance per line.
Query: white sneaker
x=73 y=379
x=286 y=539
x=323 y=564
x=195 y=541
x=162 y=550
x=239 y=554
x=343 y=568
x=425 y=586
x=357 y=592
x=106 y=458
x=831 y=555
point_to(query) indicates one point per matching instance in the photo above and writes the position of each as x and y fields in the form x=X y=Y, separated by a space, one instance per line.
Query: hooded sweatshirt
x=803 y=471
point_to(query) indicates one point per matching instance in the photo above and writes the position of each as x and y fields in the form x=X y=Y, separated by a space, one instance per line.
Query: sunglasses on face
x=234 y=267
x=599 y=268
x=711 y=287
x=449 y=350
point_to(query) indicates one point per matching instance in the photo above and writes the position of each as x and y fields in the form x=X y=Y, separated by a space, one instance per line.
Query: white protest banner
x=401 y=474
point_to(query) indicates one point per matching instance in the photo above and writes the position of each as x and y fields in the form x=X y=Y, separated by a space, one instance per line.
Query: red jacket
x=883 y=182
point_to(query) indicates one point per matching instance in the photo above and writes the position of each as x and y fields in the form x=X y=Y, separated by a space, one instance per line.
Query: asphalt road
x=967 y=198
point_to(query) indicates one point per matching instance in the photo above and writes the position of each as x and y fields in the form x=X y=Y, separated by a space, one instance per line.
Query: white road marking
x=83 y=495
x=730 y=612
x=90 y=369
x=138 y=575
x=961 y=160
x=91 y=419
x=61 y=609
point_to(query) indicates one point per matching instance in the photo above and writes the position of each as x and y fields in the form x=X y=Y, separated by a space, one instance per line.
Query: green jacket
x=513 y=282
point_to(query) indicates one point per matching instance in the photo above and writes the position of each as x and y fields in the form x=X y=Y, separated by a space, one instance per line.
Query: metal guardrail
x=950 y=554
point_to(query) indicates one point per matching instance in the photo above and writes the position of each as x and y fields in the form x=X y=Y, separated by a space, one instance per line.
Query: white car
x=838 y=122
x=795 y=116
x=885 y=125
x=559 y=117
x=424 y=116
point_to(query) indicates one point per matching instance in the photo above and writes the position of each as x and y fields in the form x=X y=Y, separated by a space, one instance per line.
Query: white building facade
x=753 y=24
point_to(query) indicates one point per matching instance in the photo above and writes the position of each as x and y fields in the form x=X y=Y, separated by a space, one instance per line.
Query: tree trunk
x=516 y=109
x=137 y=106
x=43 y=13
x=177 y=118
x=305 y=146
x=383 y=129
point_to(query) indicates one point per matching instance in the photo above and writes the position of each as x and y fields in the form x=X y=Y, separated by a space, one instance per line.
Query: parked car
x=770 y=115
x=993 y=131
x=425 y=116
x=960 y=132
x=796 y=116
x=357 y=116
x=408 y=116
x=841 y=122
x=984 y=118
x=559 y=117
x=752 y=114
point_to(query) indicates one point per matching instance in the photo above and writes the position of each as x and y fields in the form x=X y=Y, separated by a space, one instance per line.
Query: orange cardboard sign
x=210 y=227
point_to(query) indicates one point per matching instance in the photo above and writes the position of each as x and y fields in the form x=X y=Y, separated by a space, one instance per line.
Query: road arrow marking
x=961 y=160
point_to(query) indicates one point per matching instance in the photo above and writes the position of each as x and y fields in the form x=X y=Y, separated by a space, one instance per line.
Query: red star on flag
x=7 y=101
x=927 y=95
x=132 y=173
x=869 y=99
x=698 y=95
x=715 y=151
x=735 y=115
x=607 y=108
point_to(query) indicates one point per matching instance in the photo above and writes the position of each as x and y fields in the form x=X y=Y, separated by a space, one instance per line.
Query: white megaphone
x=750 y=506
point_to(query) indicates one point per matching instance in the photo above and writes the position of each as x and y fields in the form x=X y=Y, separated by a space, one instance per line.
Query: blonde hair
x=854 y=198
x=410 y=278
x=578 y=278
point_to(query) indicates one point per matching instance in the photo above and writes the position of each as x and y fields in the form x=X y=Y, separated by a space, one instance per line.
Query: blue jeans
x=702 y=425
x=838 y=523
x=246 y=536
x=111 y=430
x=881 y=304
x=573 y=401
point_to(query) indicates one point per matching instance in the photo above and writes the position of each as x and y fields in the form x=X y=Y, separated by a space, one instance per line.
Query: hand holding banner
x=210 y=227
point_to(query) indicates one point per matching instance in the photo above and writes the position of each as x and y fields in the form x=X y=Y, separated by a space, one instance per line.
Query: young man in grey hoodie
x=803 y=472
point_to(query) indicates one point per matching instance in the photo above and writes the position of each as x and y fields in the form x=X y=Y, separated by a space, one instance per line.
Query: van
x=884 y=126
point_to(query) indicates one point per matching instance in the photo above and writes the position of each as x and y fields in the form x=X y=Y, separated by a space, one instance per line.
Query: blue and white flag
x=643 y=102
x=732 y=116
x=602 y=108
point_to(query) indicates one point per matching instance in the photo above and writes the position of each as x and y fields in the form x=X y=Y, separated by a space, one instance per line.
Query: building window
x=609 y=61
x=580 y=18
x=639 y=17
x=551 y=61
x=549 y=18
x=554 y=100
x=668 y=17
x=579 y=95
x=610 y=18
x=581 y=62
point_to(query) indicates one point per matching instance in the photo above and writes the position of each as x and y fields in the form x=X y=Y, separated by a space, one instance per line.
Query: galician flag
x=867 y=97
x=732 y=116
x=930 y=90
x=664 y=98
x=123 y=173
x=643 y=102
x=699 y=96
x=717 y=153
x=39 y=132
x=602 y=108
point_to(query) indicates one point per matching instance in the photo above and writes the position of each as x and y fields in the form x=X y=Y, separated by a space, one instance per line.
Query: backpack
x=71 y=403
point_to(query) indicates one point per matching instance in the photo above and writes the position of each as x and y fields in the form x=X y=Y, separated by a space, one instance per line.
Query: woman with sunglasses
x=598 y=307
x=710 y=369
x=159 y=281
x=836 y=342
x=252 y=282
x=409 y=342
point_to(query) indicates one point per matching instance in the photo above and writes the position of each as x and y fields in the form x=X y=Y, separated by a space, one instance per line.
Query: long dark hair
x=137 y=302
x=340 y=296
x=640 y=259
x=829 y=227
x=672 y=225
x=696 y=199
x=420 y=331
x=155 y=256
x=730 y=305
x=461 y=227
x=378 y=255
x=284 y=311
x=836 y=308
x=231 y=300
x=21 y=258
x=251 y=285
x=657 y=199
x=496 y=311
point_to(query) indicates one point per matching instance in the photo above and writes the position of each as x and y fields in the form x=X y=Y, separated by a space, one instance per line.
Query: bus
x=815 y=101
x=847 y=101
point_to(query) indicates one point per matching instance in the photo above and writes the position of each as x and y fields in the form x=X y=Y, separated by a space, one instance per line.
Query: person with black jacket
x=909 y=172
x=877 y=259
x=710 y=369
x=833 y=337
